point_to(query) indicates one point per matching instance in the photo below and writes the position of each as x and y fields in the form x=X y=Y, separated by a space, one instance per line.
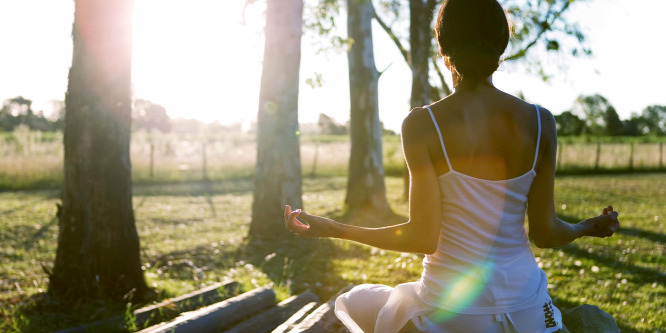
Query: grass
x=193 y=234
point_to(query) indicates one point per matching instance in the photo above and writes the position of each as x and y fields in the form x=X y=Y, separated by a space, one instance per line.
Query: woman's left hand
x=316 y=227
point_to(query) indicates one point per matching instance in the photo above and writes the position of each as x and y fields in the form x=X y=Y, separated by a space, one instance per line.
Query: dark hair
x=473 y=34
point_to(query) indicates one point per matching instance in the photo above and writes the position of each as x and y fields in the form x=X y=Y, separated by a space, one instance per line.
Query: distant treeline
x=594 y=115
x=591 y=115
x=17 y=112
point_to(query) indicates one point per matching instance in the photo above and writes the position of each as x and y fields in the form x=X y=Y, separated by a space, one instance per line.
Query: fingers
x=294 y=225
x=287 y=212
x=615 y=225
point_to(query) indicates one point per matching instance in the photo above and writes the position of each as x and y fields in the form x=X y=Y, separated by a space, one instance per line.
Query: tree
x=655 y=119
x=592 y=110
x=635 y=126
x=365 y=183
x=568 y=123
x=98 y=245
x=18 y=111
x=420 y=40
x=328 y=126
x=147 y=115
x=614 y=125
x=277 y=178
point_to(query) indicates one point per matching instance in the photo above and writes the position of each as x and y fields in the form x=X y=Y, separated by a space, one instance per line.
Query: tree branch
x=394 y=38
x=445 y=86
x=545 y=27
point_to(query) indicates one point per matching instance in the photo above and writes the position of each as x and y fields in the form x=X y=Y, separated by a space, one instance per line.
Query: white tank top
x=483 y=263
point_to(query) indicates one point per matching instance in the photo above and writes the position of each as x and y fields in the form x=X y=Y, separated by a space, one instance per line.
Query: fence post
x=152 y=158
x=560 y=147
x=631 y=157
x=661 y=155
x=313 y=173
x=596 y=160
x=203 y=153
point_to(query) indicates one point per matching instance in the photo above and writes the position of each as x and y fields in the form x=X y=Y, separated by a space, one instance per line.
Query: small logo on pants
x=548 y=313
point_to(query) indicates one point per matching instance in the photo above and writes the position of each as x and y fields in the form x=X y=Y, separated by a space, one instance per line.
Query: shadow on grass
x=46 y=196
x=43 y=313
x=639 y=274
x=39 y=234
x=306 y=264
x=637 y=232
x=200 y=188
x=564 y=304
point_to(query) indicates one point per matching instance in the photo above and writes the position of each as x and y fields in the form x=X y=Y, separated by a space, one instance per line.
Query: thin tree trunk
x=365 y=185
x=419 y=45
x=98 y=245
x=277 y=179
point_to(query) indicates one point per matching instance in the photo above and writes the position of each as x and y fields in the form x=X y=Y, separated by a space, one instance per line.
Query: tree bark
x=277 y=179
x=98 y=245
x=419 y=43
x=420 y=12
x=365 y=185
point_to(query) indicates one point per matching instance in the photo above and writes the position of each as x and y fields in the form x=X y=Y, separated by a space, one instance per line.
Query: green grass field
x=206 y=224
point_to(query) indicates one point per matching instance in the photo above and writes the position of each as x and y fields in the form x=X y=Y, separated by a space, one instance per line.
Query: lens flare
x=271 y=107
x=464 y=291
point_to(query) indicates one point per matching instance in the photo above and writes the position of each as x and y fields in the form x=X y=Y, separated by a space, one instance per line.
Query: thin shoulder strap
x=536 y=153
x=441 y=141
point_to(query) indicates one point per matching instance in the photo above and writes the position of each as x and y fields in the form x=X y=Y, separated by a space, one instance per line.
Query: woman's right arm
x=545 y=228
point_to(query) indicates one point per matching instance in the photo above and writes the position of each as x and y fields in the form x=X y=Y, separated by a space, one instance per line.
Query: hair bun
x=478 y=59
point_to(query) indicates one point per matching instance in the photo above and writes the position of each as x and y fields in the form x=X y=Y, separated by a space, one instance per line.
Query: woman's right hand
x=604 y=225
x=316 y=227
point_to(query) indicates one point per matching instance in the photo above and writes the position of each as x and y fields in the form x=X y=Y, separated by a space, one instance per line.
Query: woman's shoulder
x=415 y=121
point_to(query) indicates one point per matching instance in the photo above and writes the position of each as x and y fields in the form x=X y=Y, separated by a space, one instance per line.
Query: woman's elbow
x=423 y=247
x=429 y=250
x=541 y=241
x=428 y=247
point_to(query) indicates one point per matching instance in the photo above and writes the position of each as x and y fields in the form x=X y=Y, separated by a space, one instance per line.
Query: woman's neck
x=471 y=85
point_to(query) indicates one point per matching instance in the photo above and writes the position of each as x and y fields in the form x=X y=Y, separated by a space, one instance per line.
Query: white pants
x=544 y=318
x=378 y=308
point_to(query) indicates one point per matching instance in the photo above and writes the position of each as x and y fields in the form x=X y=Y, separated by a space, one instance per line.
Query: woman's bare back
x=487 y=133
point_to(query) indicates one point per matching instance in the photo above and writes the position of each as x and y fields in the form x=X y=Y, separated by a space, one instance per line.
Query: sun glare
x=196 y=58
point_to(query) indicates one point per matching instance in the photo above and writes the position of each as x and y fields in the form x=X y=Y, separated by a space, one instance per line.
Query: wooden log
x=268 y=320
x=168 y=308
x=323 y=319
x=296 y=318
x=219 y=316
x=188 y=302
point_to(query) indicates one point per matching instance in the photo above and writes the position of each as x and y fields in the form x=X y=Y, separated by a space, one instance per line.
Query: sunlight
x=196 y=58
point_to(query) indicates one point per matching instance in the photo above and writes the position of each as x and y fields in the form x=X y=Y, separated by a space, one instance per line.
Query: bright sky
x=195 y=58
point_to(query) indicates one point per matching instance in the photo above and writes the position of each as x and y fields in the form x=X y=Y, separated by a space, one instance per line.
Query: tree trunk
x=98 y=245
x=277 y=179
x=365 y=186
x=419 y=43
x=420 y=12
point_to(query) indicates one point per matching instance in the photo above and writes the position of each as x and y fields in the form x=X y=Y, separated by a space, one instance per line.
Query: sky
x=202 y=59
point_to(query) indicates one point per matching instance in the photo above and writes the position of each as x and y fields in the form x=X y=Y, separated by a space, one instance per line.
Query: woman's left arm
x=418 y=235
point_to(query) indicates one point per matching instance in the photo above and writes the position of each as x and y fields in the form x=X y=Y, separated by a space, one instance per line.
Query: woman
x=478 y=160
